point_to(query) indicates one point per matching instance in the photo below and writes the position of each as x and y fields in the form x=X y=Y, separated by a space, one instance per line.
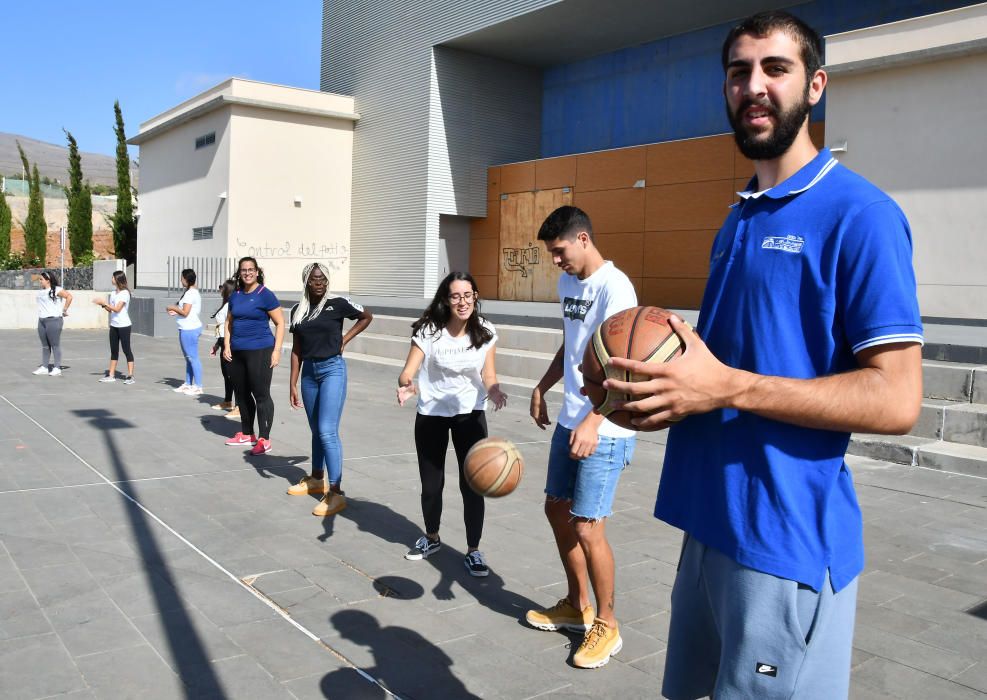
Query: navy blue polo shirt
x=251 y=322
x=802 y=276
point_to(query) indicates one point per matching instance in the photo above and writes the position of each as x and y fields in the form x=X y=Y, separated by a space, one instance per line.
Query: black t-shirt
x=321 y=337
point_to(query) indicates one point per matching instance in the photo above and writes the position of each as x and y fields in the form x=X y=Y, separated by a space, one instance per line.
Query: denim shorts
x=589 y=483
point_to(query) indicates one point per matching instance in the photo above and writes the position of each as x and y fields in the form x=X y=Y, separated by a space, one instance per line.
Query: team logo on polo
x=787 y=244
x=576 y=309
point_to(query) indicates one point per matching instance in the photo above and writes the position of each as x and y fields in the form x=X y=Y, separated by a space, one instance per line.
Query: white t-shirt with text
x=450 y=381
x=585 y=305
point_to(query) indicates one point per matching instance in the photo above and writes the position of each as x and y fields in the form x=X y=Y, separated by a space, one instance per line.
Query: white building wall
x=910 y=104
x=381 y=53
x=180 y=187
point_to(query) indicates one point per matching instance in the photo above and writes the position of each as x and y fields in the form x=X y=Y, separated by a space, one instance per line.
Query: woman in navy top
x=317 y=355
x=253 y=352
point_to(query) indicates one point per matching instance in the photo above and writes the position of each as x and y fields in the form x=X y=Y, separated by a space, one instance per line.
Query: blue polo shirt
x=251 y=322
x=802 y=276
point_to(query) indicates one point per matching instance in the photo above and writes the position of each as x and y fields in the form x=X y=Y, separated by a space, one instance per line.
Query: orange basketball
x=493 y=467
x=642 y=334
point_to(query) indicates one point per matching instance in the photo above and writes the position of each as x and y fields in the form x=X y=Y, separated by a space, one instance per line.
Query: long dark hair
x=236 y=275
x=226 y=289
x=436 y=315
x=52 y=281
x=120 y=280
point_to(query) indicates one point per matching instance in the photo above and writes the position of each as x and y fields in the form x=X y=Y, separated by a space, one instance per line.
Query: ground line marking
x=256 y=594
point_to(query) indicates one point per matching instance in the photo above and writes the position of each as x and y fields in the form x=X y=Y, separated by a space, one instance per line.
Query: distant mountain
x=53 y=161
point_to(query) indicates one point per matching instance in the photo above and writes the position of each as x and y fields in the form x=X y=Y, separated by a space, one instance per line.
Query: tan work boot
x=600 y=643
x=307 y=485
x=331 y=503
x=561 y=615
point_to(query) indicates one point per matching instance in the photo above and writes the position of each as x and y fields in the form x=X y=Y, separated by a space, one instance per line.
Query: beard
x=780 y=139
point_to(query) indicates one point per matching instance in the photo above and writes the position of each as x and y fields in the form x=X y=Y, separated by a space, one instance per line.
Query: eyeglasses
x=248 y=272
x=468 y=297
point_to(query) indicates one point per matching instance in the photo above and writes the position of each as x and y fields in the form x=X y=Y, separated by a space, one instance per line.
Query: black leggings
x=251 y=372
x=224 y=367
x=118 y=336
x=431 y=442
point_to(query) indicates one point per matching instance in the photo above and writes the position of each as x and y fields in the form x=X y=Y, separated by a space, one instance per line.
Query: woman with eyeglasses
x=317 y=348
x=454 y=347
x=253 y=352
x=187 y=312
x=118 y=305
x=53 y=305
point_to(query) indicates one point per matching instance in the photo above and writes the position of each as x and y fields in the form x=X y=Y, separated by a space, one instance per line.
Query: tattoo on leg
x=611 y=603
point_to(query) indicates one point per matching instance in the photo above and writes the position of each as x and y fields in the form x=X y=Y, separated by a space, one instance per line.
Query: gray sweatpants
x=50 y=332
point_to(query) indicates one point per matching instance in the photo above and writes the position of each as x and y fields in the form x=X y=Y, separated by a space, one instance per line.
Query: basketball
x=493 y=467
x=642 y=334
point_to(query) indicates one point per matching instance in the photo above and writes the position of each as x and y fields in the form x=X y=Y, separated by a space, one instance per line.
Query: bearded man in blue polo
x=809 y=330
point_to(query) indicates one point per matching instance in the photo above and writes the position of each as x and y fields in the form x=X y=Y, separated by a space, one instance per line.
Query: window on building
x=203 y=141
x=202 y=233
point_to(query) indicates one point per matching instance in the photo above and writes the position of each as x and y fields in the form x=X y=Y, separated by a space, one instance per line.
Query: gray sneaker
x=107 y=379
x=423 y=549
x=129 y=380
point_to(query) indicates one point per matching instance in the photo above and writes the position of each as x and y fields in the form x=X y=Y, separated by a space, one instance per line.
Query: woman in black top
x=316 y=353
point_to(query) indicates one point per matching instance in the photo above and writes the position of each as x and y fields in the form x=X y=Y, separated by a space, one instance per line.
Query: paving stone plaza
x=140 y=557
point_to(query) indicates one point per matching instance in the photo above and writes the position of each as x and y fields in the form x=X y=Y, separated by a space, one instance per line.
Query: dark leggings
x=120 y=336
x=431 y=442
x=225 y=368
x=251 y=372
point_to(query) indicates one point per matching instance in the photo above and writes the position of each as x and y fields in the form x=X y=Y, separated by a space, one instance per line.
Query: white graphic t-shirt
x=192 y=321
x=585 y=305
x=450 y=382
x=121 y=318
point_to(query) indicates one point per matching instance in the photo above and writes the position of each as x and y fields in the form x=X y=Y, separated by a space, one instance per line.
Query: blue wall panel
x=672 y=88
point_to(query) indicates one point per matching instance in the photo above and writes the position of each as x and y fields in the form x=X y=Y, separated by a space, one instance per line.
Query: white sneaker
x=193 y=391
x=40 y=370
x=181 y=389
x=55 y=371
x=107 y=379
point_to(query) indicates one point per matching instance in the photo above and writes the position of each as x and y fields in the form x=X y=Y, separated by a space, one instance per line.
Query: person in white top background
x=53 y=304
x=118 y=305
x=189 y=329
x=454 y=348
x=228 y=403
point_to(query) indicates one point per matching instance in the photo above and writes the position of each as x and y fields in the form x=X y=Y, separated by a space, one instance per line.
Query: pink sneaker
x=240 y=439
x=263 y=446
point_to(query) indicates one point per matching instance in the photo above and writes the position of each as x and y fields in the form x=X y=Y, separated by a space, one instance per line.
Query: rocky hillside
x=53 y=161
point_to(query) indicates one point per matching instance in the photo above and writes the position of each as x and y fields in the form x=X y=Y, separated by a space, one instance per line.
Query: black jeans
x=251 y=371
x=431 y=443
x=224 y=367
x=120 y=336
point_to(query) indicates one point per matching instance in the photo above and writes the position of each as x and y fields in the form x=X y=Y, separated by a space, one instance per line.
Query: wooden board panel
x=614 y=211
x=517 y=255
x=484 y=256
x=487 y=284
x=677 y=254
x=493 y=184
x=517 y=177
x=672 y=293
x=488 y=227
x=691 y=160
x=610 y=170
x=555 y=173
x=545 y=276
x=689 y=206
x=625 y=250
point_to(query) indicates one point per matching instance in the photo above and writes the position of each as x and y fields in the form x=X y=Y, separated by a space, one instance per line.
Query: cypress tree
x=35 y=228
x=80 y=205
x=124 y=226
x=5 y=220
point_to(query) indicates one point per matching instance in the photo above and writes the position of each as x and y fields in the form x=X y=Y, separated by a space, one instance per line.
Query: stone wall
x=75 y=277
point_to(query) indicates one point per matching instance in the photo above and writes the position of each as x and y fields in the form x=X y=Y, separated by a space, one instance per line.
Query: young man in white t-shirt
x=588 y=452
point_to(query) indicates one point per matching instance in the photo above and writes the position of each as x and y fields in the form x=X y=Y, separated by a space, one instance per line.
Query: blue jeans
x=324 y=393
x=589 y=483
x=189 y=340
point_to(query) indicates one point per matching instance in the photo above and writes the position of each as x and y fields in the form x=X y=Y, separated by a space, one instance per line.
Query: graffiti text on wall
x=520 y=259
x=334 y=255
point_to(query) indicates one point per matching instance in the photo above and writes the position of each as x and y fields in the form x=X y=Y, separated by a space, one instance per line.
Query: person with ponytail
x=453 y=345
x=187 y=312
x=253 y=352
x=226 y=289
x=53 y=305
x=317 y=348
x=118 y=305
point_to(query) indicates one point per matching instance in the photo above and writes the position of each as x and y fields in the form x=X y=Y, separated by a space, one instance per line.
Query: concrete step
x=900 y=449
x=965 y=424
x=954 y=457
x=947 y=380
x=523 y=364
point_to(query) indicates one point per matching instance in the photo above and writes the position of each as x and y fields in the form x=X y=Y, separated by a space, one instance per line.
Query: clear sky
x=66 y=61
